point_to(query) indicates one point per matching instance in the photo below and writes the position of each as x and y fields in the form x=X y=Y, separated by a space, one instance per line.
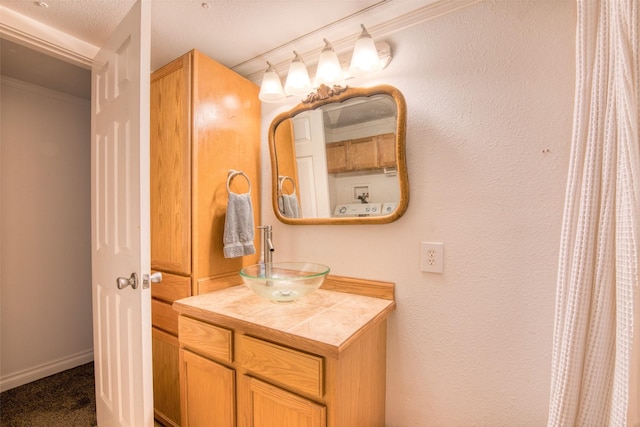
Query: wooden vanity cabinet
x=275 y=379
x=273 y=385
x=205 y=120
x=372 y=152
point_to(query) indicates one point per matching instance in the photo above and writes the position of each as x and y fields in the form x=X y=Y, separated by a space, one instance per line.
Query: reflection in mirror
x=341 y=160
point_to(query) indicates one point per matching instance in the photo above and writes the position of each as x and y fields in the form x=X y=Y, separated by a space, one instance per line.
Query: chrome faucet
x=267 y=244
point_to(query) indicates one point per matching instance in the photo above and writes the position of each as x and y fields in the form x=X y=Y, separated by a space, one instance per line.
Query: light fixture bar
x=271 y=89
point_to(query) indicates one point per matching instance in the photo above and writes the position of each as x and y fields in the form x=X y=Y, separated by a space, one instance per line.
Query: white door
x=311 y=161
x=120 y=223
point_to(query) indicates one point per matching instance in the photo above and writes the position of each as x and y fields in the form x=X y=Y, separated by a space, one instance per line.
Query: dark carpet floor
x=66 y=399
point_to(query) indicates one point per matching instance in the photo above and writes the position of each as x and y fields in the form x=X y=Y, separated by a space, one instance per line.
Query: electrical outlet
x=432 y=260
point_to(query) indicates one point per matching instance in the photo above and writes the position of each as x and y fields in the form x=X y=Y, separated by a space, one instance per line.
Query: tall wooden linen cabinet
x=205 y=120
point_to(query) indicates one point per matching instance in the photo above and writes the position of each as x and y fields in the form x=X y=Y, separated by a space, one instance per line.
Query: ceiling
x=240 y=34
x=358 y=110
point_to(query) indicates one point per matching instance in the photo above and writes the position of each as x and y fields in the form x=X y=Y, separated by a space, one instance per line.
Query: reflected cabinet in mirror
x=340 y=159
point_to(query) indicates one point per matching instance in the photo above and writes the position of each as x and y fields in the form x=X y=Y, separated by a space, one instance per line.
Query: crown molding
x=29 y=32
x=382 y=19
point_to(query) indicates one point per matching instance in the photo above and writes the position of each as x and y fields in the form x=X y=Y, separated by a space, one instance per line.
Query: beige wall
x=489 y=92
x=45 y=272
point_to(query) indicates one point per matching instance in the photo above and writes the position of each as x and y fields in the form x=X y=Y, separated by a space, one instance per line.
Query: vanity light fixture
x=365 y=57
x=329 y=70
x=298 y=82
x=271 y=88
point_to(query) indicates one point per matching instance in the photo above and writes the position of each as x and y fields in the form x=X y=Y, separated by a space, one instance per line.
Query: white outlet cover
x=432 y=257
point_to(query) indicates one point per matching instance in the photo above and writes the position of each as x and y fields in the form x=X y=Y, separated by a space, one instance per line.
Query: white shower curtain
x=600 y=242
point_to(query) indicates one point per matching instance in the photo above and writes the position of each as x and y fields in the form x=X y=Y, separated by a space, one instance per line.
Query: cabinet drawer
x=300 y=371
x=171 y=288
x=164 y=317
x=206 y=339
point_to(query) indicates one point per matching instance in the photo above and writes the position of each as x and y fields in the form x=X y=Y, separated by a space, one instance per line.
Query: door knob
x=123 y=282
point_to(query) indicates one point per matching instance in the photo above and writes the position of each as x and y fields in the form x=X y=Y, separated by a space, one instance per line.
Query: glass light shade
x=271 y=88
x=365 y=57
x=329 y=70
x=298 y=82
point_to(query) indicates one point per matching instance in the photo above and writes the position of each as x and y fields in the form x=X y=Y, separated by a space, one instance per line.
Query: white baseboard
x=37 y=372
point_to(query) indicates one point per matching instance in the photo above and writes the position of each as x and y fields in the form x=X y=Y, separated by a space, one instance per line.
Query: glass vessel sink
x=284 y=281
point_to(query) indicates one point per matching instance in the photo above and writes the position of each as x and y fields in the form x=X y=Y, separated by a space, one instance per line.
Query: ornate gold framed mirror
x=339 y=158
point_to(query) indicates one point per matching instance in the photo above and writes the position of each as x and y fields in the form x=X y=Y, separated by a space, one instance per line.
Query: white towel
x=238 y=226
x=289 y=205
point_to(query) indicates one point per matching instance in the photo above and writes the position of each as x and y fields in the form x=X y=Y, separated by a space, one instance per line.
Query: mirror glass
x=341 y=159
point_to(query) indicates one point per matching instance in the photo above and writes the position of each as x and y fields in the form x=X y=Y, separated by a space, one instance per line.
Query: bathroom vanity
x=317 y=362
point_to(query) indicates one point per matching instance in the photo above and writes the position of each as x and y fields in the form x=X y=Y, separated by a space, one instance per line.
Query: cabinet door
x=208 y=392
x=271 y=406
x=225 y=135
x=386 y=150
x=170 y=168
x=166 y=379
x=363 y=153
x=337 y=157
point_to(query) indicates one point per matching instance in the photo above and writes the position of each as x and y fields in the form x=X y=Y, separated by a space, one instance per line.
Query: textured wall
x=489 y=91
x=45 y=273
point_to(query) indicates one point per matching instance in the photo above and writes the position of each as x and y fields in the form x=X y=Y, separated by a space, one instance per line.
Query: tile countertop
x=323 y=322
